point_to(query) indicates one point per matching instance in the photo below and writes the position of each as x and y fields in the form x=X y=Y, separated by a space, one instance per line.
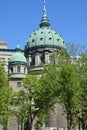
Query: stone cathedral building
x=38 y=48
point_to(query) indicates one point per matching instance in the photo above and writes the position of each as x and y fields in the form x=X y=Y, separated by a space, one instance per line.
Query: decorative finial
x=44 y=5
x=44 y=21
x=18 y=49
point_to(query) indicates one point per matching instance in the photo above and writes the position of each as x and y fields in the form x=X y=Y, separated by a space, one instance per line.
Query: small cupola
x=18 y=56
x=17 y=66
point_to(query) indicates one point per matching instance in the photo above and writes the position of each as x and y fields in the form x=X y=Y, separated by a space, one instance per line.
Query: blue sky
x=19 y=18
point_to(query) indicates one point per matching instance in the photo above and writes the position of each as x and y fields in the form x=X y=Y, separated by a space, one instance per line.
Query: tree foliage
x=63 y=77
x=31 y=103
x=5 y=97
x=64 y=82
x=83 y=94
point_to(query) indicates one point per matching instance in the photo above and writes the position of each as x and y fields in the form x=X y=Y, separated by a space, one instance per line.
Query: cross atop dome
x=44 y=5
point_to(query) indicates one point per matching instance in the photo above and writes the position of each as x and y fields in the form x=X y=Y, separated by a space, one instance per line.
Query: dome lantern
x=44 y=21
x=18 y=49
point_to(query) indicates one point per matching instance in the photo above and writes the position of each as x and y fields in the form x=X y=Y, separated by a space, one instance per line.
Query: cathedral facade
x=40 y=44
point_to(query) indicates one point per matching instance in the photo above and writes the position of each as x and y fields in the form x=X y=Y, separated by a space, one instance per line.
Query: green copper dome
x=44 y=35
x=17 y=56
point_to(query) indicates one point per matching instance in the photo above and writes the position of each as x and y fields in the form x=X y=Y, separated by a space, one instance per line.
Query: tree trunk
x=18 y=126
x=68 y=124
x=78 y=123
x=5 y=124
x=30 y=124
x=69 y=121
x=22 y=126
x=83 y=126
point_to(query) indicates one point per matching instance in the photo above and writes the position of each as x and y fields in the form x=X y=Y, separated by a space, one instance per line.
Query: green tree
x=5 y=97
x=32 y=102
x=30 y=87
x=63 y=79
x=19 y=108
x=69 y=82
x=61 y=82
x=83 y=94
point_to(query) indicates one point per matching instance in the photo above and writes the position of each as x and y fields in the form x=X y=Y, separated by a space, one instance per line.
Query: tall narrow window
x=32 y=61
x=24 y=70
x=42 y=58
x=18 y=69
x=11 y=69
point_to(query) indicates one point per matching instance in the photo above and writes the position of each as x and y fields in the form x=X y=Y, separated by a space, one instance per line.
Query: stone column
x=14 y=69
x=28 y=58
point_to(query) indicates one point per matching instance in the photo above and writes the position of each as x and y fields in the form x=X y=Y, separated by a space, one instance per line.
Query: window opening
x=18 y=69
x=18 y=84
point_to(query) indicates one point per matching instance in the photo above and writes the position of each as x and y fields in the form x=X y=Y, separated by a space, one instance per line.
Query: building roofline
x=9 y=50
